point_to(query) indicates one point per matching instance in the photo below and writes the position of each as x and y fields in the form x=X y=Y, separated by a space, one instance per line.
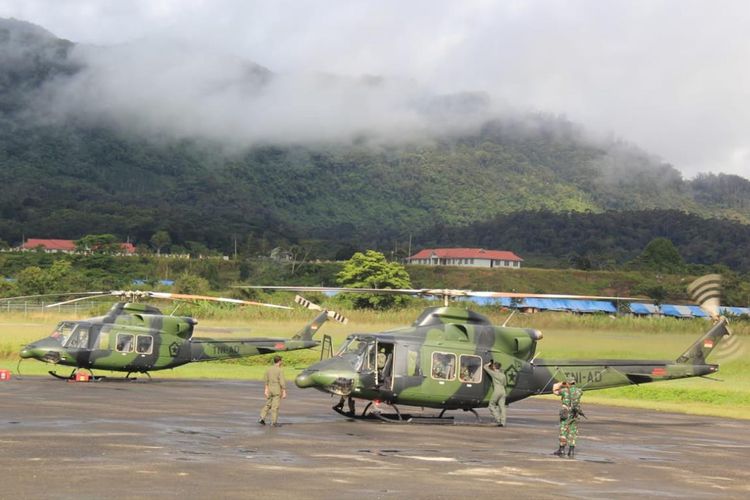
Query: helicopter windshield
x=79 y=338
x=363 y=350
x=62 y=332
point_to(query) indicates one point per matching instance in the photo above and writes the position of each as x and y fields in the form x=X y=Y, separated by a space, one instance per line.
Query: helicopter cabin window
x=412 y=362
x=144 y=344
x=124 y=342
x=471 y=369
x=79 y=339
x=104 y=337
x=443 y=366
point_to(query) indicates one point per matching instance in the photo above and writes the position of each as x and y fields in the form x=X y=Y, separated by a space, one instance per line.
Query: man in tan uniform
x=274 y=390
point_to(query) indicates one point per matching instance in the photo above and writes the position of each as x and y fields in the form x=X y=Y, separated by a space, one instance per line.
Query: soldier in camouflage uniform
x=274 y=390
x=569 y=413
x=497 y=400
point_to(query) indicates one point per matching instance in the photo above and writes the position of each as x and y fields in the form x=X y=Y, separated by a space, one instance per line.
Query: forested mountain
x=68 y=176
x=603 y=240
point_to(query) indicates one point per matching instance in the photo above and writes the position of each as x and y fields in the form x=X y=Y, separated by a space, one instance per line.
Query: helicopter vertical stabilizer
x=697 y=353
x=309 y=329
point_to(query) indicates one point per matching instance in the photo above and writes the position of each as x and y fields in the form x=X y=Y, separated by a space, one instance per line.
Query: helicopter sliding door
x=407 y=368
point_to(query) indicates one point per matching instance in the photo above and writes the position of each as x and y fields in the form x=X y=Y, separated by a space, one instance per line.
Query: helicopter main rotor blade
x=440 y=292
x=386 y=291
x=58 y=294
x=519 y=295
x=183 y=296
x=91 y=295
x=139 y=294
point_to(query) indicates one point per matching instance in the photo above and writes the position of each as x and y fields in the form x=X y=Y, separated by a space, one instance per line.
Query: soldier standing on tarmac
x=569 y=412
x=497 y=400
x=274 y=390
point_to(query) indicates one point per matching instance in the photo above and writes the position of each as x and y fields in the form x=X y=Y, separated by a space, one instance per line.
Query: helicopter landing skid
x=128 y=377
x=472 y=410
x=72 y=375
x=373 y=412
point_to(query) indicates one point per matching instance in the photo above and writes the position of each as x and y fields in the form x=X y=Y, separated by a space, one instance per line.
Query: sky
x=671 y=76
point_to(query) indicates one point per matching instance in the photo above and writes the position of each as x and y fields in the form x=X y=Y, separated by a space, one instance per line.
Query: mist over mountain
x=153 y=135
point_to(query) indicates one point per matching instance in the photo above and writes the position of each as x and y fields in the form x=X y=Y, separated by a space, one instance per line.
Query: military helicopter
x=138 y=338
x=437 y=361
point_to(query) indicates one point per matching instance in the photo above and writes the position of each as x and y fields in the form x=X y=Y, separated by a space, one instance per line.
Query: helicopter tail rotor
x=315 y=307
x=706 y=292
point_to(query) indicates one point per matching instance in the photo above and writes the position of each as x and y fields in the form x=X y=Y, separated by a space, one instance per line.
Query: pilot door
x=376 y=369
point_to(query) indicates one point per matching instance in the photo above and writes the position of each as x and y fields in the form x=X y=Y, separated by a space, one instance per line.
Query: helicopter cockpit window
x=471 y=369
x=443 y=366
x=144 y=344
x=364 y=351
x=79 y=338
x=124 y=342
x=63 y=331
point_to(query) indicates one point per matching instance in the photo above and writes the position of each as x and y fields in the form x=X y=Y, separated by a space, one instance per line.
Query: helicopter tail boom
x=605 y=373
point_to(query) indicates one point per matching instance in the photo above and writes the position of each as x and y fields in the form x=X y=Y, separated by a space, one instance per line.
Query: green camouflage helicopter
x=437 y=361
x=138 y=338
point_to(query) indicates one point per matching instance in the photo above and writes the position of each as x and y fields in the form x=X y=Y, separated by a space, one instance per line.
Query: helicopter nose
x=26 y=352
x=306 y=379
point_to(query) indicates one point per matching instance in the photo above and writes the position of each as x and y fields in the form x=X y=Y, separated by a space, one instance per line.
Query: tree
x=372 y=270
x=98 y=243
x=661 y=255
x=32 y=281
x=190 y=283
x=159 y=240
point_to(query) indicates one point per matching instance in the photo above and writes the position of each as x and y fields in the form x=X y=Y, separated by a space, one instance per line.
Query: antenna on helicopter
x=505 y=323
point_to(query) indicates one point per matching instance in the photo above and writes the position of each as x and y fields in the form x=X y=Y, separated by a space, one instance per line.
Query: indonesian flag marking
x=658 y=372
x=708 y=343
x=279 y=345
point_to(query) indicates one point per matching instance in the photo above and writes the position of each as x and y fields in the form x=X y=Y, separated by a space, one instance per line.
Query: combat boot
x=572 y=452
x=560 y=451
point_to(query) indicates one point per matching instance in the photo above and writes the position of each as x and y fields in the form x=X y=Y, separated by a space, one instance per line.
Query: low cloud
x=175 y=90
x=670 y=78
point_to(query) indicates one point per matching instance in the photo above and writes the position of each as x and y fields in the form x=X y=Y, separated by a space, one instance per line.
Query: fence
x=27 y=308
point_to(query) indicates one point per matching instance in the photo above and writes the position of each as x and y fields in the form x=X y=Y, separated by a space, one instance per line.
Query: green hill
x=67 y=178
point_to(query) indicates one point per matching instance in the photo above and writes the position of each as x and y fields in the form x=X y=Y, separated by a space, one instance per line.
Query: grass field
x=565 y=336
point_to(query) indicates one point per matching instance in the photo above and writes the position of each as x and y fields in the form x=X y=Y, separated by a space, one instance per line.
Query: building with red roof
x=65 y=246
x=471 y=257
x=49 y=245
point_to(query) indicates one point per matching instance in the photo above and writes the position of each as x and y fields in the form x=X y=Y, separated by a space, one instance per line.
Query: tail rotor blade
x=337 y=317
x=706 y=292
x=299 y=299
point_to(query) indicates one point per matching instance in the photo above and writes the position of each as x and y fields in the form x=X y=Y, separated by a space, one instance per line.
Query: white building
x=471 y=257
